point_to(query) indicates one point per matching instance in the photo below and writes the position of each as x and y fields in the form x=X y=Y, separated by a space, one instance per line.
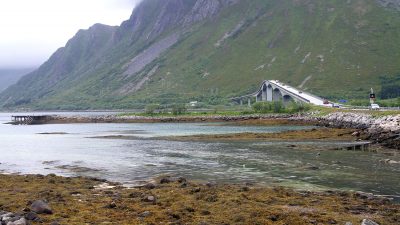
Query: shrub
x=262 y=107
x=179 y=109
x=295 y=107
x=278 y=107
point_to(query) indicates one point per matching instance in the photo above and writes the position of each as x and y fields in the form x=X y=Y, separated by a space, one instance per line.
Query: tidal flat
x=169 y=200
x=314 y=134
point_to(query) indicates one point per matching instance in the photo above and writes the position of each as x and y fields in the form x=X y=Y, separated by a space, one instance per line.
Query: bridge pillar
x=264 y=93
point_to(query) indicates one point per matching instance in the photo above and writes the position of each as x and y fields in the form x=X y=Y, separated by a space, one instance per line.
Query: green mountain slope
x=209 y=50
x=9 y=77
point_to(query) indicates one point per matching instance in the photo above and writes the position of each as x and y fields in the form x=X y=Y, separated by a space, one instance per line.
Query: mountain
x=9 y=77
x=209 y=50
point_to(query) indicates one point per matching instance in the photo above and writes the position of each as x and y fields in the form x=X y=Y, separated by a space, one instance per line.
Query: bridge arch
x=269 y=92
x=287 y=99
x=277 y=95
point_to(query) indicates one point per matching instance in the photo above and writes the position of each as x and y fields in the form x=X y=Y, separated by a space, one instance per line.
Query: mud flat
x=317 y=134
x=170 y=200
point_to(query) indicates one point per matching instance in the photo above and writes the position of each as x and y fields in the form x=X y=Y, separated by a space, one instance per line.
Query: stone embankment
x=384 y=130
x=162 y=119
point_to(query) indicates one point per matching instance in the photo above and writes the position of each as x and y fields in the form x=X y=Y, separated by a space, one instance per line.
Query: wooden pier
x=29 y=120
x=360 y=146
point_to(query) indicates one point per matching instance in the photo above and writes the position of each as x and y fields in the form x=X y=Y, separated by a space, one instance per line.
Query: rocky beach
x=37 y=199
x=384 y=130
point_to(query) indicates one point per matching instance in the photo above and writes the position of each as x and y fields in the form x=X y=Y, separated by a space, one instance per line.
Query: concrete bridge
x=273 y=90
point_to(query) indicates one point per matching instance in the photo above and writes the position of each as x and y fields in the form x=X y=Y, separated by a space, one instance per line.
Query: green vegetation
x=336 y=49
x=179 y=109
x=395 y=102
x=257 y=108
x=151 y=109
x=323 y=111
x=390 y=87
x=268 y=107
x=278 y=107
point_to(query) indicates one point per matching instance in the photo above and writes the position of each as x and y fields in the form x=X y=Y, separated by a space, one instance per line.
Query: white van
x=374 y=107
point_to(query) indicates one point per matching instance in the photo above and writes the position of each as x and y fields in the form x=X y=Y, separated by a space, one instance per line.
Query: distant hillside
x=9 y=77
x=210 y=50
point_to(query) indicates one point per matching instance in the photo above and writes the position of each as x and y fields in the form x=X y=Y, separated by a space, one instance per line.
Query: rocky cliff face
x=390 y=3
x=139 y=41
x=155 y=16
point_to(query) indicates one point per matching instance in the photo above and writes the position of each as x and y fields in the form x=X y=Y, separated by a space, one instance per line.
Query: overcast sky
x=31 y=30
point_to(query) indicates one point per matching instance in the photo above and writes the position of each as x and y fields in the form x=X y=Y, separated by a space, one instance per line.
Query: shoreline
x=383 y=130
x=175 y=200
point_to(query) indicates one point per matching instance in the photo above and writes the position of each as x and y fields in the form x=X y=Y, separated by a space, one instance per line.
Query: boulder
x=21 y=221
x=166 y=180
x=149 y=186
x=368 y=222
x=32 y=216
x=41 y=207
x=150 y=198
x=145 y=214
x=7 y=217
x=112 y=205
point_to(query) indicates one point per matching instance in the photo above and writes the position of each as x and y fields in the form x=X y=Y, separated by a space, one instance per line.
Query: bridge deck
x=311 y=98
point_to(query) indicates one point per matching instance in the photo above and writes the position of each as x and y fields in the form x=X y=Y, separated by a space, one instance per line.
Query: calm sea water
x=24 y=150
